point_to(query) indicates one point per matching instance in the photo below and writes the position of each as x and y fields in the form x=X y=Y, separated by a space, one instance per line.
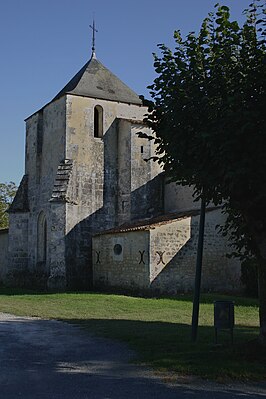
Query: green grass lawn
x=158 y=329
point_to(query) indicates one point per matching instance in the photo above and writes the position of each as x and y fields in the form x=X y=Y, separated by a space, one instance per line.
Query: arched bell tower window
x=98 y=121
x=42 y=238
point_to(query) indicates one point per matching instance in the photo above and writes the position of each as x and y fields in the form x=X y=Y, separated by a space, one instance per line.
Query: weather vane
x=93 y=37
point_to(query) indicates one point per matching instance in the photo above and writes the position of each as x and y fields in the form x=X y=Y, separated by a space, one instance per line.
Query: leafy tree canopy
x=208 y=115
x=7 y=193
x=209 y=111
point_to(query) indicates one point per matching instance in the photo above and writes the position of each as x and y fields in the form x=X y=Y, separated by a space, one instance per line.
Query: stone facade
x=127 y=270
x=160 y=257
x=86 y=172
x=109 y=177
x=174 y=269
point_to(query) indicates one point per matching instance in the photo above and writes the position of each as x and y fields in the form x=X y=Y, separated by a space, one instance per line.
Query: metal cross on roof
x=93 y=37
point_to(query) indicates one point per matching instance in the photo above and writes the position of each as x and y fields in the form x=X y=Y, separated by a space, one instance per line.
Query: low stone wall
x=17 y=273
x=3 y=252
x=174 y=253
x=121 y=261
x=161 y=259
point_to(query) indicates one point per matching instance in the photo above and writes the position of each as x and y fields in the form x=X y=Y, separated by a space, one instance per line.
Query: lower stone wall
x=17 y=274
x=56 y=263
x=3 y=253
x=177 y=243
x=121 y=260
x=162 y=259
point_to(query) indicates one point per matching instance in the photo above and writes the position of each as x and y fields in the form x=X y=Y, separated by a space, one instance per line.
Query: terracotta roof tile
x=148 y=224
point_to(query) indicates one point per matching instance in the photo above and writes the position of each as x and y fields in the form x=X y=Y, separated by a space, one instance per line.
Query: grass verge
x=158 y=329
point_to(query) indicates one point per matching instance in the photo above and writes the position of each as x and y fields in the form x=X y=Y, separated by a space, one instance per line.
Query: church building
x=91 y=211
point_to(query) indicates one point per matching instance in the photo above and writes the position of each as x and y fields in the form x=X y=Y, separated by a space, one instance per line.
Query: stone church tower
x=91 y=211
x=85 y=172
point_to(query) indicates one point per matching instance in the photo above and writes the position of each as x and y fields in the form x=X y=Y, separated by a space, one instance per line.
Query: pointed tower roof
x=96 y=81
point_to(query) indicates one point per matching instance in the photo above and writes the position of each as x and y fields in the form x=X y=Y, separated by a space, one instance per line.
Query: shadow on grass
x=205 y=298
x=162 y=344
x=168 y=347
x=59 y=361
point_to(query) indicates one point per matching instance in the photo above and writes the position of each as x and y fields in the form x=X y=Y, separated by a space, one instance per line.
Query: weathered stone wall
x=178 y=244
x=56 y=262
x=140 y=186
x=105 y=174
x=178 y=198
x=95 y=187
x=128 y=269
x=108 y=183
x=18 y=255
x=45 y=149
x=166 y=241
x=124 y=164
x=169 y=258
x=146 y=180
x=3 y=253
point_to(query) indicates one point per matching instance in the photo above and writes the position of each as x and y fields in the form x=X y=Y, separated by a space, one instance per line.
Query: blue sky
x=44 y=43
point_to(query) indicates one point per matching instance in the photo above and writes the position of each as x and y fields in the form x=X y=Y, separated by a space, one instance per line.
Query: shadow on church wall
x=118 y=205
x=219 y=274
x=169 y=260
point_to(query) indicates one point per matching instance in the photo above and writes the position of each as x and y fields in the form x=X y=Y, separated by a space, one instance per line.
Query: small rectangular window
x=98 y=121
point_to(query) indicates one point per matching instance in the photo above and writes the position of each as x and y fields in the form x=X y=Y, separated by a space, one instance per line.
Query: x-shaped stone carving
x=160 y=253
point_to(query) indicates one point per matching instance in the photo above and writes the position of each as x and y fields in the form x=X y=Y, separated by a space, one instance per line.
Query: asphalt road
x=51 y=359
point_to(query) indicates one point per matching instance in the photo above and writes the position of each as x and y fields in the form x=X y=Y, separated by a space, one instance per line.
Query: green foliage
x=208 y=113
x=7 y=193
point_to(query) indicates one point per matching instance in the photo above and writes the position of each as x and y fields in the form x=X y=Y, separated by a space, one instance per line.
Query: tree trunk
x=262 y=300
x=258 y=233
